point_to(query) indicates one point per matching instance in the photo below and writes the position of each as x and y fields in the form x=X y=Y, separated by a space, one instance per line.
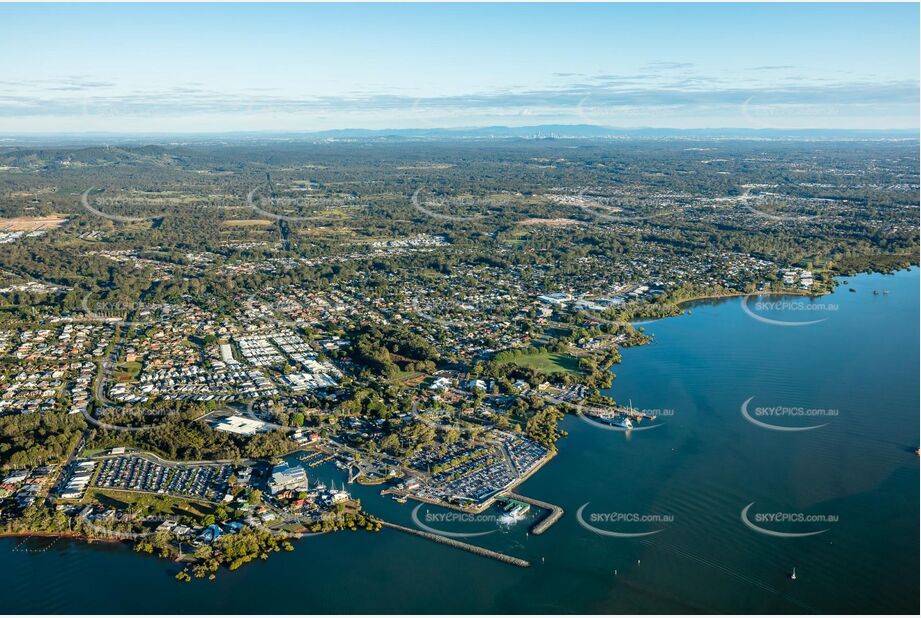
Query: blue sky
x=242 y=67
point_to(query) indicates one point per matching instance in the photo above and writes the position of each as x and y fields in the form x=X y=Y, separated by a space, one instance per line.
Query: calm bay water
x=696 y=472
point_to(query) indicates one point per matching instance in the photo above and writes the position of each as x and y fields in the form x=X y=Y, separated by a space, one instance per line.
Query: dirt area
x=30 y=224
x=247 y=222
x=549 y=222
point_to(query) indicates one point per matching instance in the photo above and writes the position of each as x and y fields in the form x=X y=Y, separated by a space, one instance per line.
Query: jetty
x=554 y=512
x=473 y=549
x=314 y=464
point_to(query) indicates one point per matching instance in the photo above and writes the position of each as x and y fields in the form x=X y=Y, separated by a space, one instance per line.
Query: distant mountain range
x=549 y=131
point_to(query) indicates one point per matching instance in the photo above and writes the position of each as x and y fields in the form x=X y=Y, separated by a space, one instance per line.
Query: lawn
x=549 y=362
x=159 y=504
x=408 y=378
x=127 y=371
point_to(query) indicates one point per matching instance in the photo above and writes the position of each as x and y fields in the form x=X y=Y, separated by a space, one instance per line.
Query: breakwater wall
x=473 y=549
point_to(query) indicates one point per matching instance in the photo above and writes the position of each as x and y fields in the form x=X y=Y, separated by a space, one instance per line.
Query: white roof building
x=240 y=425
x=286 y=477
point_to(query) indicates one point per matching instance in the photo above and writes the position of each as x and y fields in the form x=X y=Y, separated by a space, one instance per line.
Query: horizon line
x=557 y=126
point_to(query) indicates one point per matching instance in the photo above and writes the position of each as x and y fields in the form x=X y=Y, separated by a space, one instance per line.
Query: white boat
x=623 y=422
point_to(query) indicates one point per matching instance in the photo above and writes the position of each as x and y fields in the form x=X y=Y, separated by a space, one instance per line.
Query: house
x=209 y=535
x=440 y=383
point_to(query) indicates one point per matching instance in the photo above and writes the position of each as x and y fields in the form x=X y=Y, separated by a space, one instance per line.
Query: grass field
x=409 y=378
x=126 y=372
x=549 y=362
x=163 y=505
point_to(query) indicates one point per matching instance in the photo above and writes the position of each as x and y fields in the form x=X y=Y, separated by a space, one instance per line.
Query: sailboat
x=793 y=576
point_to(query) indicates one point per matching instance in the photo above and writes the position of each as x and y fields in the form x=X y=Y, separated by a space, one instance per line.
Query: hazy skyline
x=202 y=68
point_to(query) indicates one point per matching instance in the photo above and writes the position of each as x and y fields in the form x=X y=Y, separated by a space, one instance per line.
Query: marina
x=848 y=468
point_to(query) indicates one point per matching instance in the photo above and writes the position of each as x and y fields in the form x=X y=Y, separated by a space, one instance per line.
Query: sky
x=183 y=68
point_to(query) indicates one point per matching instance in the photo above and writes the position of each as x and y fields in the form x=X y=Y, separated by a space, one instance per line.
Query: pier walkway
x=473 y=549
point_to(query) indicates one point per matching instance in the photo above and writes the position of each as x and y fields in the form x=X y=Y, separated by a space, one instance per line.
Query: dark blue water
x=700 y=467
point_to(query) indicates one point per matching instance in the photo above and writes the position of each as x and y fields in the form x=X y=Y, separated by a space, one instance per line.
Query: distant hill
x=548 y=131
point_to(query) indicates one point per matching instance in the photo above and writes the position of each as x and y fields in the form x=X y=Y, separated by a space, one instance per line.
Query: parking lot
x=525 y=454
x=209 y=483
x=140 y=474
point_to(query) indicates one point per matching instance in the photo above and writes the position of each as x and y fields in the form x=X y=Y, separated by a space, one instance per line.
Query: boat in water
x=623 y=422
x=515 y=511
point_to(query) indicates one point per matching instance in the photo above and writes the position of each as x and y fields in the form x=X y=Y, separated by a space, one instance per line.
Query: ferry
x=623 y=422
x=515 y=510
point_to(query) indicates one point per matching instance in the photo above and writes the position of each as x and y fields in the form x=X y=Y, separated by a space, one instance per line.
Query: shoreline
x=509 y=491
x=792 y=292
x=59 y=535
x=757 y=293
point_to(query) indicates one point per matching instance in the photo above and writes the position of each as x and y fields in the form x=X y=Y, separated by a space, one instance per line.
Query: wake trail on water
x=701 y=560
x=738 y=575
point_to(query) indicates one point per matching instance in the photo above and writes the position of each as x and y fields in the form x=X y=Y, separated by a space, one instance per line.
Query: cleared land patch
x=30 y=224
x=247 y=222
x=549 y=222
